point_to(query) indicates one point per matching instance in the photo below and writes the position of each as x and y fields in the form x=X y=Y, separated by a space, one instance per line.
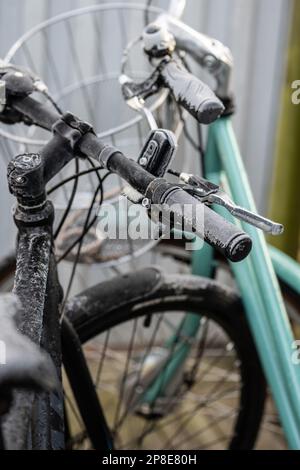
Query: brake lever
x=135 y=94
x=212 y=194
x=267 y=225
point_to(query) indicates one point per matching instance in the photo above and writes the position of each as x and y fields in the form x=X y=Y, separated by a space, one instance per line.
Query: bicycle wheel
x=215 y=398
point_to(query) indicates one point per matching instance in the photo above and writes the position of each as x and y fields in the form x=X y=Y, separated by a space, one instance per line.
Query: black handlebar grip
x=190 y=92
x=226 y=237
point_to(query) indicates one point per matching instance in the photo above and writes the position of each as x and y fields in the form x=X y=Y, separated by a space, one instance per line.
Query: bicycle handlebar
x=40 y=114
x=219 y=233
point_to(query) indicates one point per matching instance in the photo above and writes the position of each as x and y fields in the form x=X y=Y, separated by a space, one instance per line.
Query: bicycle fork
x=36 y=420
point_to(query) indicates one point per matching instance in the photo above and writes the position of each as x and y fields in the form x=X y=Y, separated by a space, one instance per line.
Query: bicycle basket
x=78 y=55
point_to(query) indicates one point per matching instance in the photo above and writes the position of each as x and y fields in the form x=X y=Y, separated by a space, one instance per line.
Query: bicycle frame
x=36 y=285
x=258 y=286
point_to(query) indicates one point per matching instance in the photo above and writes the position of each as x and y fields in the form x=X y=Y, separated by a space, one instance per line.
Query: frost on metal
x=33 y=255
x=134 y=290
x=31 y=278
x=112 y=294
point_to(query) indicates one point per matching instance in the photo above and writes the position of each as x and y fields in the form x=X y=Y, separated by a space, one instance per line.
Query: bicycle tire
x=176 y=251
x=95 y=312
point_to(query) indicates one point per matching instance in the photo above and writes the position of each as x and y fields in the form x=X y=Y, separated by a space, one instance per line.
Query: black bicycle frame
x=37 y=420
x=37 y=286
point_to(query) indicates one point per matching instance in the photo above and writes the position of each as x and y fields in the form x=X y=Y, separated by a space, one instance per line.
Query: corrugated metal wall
x=255 y=30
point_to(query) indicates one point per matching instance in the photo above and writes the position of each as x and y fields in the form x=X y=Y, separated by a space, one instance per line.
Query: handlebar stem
x=28 y=174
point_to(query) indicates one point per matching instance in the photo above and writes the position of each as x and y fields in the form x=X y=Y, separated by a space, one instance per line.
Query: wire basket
x=78 y=55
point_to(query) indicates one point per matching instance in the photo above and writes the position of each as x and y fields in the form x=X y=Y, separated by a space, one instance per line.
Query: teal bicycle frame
x=258 y=286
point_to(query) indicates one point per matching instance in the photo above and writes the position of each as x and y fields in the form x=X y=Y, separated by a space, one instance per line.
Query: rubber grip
x=190 y=92
x=224 y=236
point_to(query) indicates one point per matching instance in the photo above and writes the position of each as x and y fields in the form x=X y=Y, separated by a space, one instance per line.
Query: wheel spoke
x=205 y=397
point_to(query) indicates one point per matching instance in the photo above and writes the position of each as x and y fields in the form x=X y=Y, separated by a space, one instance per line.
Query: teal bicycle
x=257 y=277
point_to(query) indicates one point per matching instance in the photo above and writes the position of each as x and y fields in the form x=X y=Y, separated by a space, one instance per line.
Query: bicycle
x=167 y=288
x=36 y=273
x=221 y=163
